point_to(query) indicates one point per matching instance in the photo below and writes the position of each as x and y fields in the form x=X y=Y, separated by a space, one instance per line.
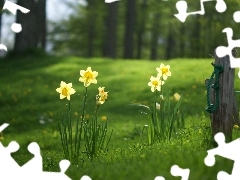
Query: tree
x=111 y=29
x=33 y=32
x=142 y=27
x=155 y=36
x=129 y=29
x=91 y=27
x=1 y=6
x=41 y=23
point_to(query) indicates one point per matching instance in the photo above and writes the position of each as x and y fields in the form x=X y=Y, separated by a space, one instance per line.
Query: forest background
x=133 y=29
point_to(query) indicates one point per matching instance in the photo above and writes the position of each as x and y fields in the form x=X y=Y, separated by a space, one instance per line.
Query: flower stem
x=78 y=135
x=70 y=128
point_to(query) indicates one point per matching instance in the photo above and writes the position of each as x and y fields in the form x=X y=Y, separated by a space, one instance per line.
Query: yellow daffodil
x=88 y=77
x=101 y=90
x=102 y=95
x=65 y=90
x=104 y=118
x=164 y=71
x=236 y=126
x=176 y=96
x=155 y=83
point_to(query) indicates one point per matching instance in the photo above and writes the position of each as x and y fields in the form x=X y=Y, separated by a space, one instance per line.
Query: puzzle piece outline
x=228 y=151
x=111 y=1
x=182 y=7
x=15 y=27
x=222 y=51
x=177 y=171
x=32 y=169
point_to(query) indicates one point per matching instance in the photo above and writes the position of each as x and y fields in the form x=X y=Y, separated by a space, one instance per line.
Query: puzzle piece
x=159 y=178
x=176 y=171
x=222 y=51
x=3 y=126
x=63 y=164
x=85 y=178
x=35 y=164
x=5 y=155
x=33 y=169
x=111 y=1
x=226 y=150
x=182 y=6
x=236 y=16
x=7 y=169
x=12 y=7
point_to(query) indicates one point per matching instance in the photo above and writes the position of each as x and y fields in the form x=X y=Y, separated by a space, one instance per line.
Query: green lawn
x=28 y=91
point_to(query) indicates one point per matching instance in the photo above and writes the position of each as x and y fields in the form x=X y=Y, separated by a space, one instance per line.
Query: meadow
x=30 y=104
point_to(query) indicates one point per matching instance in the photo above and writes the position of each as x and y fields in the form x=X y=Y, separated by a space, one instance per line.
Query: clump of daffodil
x=155 y=83
x=164 y=71
x=162 y=118
x=102 y=95
x=89 y=136
x=65 y=90
x=95 y=134
x=88 y=76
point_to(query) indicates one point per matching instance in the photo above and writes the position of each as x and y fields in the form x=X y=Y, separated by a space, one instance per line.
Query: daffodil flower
x=155 y=83
x=177 y=96
x=102 y=95
x=104 y=118
x=88 y=77
x=65 y=90
x=164 y=71
x=236 y=126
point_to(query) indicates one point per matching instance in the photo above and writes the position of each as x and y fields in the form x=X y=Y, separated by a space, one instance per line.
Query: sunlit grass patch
x=28 y=92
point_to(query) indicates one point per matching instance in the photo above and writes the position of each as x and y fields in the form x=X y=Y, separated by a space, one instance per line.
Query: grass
x=28 y=92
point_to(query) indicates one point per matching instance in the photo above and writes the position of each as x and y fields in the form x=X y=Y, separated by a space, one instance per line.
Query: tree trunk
x=41 y=19
x=28 y=37
x=195 y=38
x=170 y=43
x=155 y=36
x=129 y=31
x=182 y=40
x=222 y=119
x=141 y=28
x=33 y=34
x=1 y=6
x=111 y=35
x=91 y=27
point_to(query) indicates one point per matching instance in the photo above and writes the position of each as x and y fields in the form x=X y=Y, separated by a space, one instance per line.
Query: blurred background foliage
x=132 y=29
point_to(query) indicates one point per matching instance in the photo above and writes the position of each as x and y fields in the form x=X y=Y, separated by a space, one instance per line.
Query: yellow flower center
x=164 y=70
x=155 y=83
x=88 y=75
x=64 y=91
